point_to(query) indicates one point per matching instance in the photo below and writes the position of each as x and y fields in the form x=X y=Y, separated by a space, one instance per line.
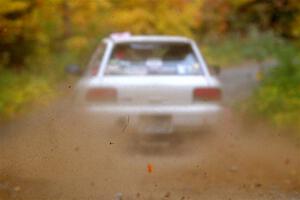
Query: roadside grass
x=42 y=74
x=236 y=49
x=37 y=85
x=19 y=91
x=277 y=100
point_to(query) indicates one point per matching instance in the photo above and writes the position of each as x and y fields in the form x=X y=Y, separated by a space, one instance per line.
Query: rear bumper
x=182 y=115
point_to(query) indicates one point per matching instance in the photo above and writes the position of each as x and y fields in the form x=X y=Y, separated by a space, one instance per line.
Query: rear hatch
x=154 y=90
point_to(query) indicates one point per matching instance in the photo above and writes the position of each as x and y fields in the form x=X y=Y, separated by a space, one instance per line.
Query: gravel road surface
x=52 y=154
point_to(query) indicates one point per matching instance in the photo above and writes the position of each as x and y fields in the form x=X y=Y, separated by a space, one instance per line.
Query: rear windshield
x=153 y=59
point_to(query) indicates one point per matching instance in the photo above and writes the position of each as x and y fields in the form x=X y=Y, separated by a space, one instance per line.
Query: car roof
x=149 y=38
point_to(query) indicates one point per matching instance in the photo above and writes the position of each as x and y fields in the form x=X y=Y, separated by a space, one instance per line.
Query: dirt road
x=51 y=154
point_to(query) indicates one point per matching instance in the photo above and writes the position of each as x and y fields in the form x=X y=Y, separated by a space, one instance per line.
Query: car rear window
x=153 y=58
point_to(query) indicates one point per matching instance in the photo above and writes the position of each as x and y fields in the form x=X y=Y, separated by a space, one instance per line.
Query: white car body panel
x=170 y=95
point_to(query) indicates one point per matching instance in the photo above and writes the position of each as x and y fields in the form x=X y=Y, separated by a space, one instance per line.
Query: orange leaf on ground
x=149 y=168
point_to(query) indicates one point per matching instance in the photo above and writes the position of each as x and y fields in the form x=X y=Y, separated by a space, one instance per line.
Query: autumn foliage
x=26 y=25
x=38 y=38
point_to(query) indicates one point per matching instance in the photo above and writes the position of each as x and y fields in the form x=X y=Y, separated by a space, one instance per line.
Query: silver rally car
x=160 y=83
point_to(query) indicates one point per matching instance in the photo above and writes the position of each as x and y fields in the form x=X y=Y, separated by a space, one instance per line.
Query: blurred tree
x=156 y=16
x=216 y=16
x=27 y=24
x=15 y=31
x=276 y=15
x=73 y=25
x=280 y=16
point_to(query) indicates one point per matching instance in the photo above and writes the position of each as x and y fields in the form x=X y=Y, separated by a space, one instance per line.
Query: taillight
x=207 y=94
x=101 y=95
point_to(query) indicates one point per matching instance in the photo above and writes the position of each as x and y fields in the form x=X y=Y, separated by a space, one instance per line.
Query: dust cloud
x=58 y=154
